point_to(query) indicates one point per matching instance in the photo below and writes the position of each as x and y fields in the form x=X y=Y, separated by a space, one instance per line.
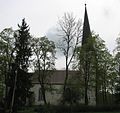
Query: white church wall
x=54 y=96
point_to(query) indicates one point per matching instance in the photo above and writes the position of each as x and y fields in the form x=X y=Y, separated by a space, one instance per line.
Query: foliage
x=117 y=69
x=23 y=53
x=22 y=45
x=79 y=108
x=74 y=91
x=105 y=72
x=44 y=52
x=19 y=80
x=105 y=64
x=100 y=66
x=1 y=68
x=6 y=56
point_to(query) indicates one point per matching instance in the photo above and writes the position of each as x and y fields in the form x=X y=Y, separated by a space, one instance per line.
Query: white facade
x=54 y=96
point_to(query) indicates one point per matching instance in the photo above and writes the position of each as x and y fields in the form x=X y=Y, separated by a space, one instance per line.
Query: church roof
x=57 y=77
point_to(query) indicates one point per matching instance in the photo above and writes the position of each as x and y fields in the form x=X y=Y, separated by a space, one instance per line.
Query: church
x=57 y=79
x=55 y=83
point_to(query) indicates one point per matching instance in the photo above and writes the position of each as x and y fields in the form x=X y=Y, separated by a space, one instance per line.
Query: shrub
x=75 y=108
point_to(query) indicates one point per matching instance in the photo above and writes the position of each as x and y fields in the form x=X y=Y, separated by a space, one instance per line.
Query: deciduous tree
x=44 y=52
x=70 y=33
x=6 y=57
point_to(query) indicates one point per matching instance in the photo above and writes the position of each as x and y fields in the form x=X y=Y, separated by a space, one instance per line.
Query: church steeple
x=86 y=28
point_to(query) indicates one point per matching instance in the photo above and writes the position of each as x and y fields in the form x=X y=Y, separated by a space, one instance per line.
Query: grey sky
x=42 y=15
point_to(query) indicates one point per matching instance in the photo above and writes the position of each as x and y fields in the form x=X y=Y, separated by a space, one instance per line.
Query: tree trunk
x=13 y=95
x=43 y=93
x=96 y=80
x=66 y=76
x=41 y=81
x=86 y=83
x=6 y=91
x=96 y=91
x=86 y=93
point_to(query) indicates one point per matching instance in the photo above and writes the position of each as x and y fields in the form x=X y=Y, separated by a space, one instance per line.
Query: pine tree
x=20 y=79
x=23 y=48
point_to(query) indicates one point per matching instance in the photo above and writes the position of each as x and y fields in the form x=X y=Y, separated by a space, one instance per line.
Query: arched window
x=40 y=96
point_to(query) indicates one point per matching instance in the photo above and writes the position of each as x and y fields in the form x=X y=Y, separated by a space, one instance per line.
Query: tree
x=87 y=49
x=20 y=80
x=86 y=65
x=74 y=90
x=117 y=69
x=2 y=59
x=70 y=33
x=44 y=52
x=6 y=57
x=23 y=49
x=104 y=70
x=94 y=59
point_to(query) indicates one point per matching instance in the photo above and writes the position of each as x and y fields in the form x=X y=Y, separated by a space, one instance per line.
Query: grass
x=27 y=110
x=54 y=109
x=32 y=111
x=100 y=112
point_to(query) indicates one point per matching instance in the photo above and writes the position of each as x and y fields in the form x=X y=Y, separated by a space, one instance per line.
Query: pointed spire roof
x=86 y=28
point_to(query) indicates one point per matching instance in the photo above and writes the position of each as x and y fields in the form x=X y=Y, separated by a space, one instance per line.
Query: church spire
x=86 y=28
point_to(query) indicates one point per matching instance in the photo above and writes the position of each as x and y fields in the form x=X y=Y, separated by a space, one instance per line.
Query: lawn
x=27 y=110
x=32 y=111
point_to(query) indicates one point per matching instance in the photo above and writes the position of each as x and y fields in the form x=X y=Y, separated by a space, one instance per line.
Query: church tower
x=86 y=28
x=85 y=39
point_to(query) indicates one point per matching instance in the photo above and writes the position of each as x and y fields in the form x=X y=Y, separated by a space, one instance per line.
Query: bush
x=2 y=107
x=75 y=108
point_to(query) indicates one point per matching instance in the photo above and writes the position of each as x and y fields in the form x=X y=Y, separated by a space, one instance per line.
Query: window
x=40 y=96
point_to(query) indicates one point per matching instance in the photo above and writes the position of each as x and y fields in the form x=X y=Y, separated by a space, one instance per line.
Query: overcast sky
x=42 y=16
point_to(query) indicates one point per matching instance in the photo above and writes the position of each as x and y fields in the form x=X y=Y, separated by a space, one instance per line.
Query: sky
x=42 y=17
